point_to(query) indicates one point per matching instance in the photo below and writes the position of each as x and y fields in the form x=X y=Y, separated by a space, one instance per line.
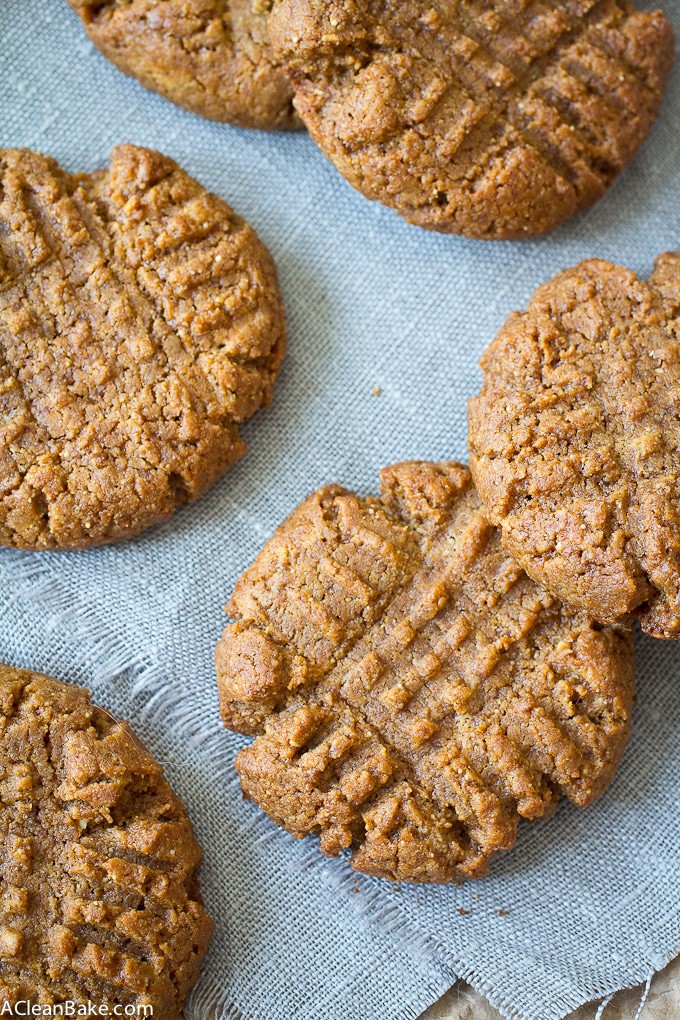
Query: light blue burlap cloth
x=591 y=898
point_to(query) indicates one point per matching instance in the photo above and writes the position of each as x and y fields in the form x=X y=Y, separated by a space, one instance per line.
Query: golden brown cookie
x=211 y=56
x=575 y=441
x=140 y=322
x=412 y=692
x=493 y=120
x=99 y=897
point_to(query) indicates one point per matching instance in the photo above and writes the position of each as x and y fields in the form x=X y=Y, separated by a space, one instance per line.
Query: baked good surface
x=98 y=860
x=140 y=322
x=412 y=692
x=493 y=120
x=211 y=56
x=575 y=442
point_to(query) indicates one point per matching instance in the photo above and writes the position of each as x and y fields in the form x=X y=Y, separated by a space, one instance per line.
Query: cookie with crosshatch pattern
x=99 y=899
x=211 y=56
x=411 y=691
x=575 y=445
x=140 y=323
x=493 y=120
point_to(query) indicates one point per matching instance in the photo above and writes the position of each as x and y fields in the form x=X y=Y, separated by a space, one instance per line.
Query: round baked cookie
x=575 y=442
x=490 y=120
x=211 y=56
x=140 y=322
x=98 y=860
x=412 y=692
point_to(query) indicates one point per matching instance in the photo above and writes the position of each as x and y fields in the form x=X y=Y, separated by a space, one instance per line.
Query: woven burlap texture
x=590 y=897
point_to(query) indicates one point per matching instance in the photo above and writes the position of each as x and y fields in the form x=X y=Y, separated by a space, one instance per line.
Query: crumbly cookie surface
x=140 y=322
x=493 y=120
x=412 y=692
x=99 y=897
x=211 y=56
x=575 y=445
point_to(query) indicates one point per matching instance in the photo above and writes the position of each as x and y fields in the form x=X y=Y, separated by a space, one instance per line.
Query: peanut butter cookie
x=412 y=692
x=140 y=322
x=575 y=442
x=211 y=56
x=98 y=860
x=493 y=120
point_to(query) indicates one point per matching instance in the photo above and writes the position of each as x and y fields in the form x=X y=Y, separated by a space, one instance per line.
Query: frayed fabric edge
x=103 y=657
x=108 y=657
x=388 y=917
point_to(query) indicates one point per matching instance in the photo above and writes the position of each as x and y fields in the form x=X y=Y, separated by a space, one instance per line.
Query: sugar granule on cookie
x=140 y=323
x=100 y=900
x=412 y=692
x=211 y=56
x=575 y=441
x=489 y=120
